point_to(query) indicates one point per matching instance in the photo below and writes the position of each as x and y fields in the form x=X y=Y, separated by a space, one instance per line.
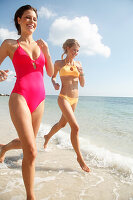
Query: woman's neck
x=26 y=38
x=69 y=60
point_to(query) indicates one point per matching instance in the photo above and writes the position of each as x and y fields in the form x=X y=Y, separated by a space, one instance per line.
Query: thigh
x=63 y=120
x=37 y=117
x=21 y=118
x=67 y=111
x=74 y=106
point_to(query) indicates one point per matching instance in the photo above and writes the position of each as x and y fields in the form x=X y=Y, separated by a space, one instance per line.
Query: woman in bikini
x=71 y=73
x=26 y=102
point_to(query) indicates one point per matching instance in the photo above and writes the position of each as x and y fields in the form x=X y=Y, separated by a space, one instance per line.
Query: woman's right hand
x=3 y=75
x=56 y=86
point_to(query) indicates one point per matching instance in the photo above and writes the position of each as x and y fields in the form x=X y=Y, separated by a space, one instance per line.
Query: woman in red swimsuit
x=26 y=103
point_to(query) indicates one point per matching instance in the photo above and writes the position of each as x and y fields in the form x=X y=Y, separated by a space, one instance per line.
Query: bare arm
x=3 y=54
x=81 y=79
x=49 y=65
x=53 y=79
x=81 y=76
x=4 y=51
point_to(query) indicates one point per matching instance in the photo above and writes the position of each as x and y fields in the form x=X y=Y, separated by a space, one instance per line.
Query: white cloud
x=6 y=34
x=44 y=12
x=81 y=29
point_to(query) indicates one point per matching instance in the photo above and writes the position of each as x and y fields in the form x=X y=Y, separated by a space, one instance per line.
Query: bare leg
x=70 y=117
x=25 y=126
x=14 y=144
x=54 y=130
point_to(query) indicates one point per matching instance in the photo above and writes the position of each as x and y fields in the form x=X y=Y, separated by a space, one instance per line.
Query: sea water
x=105 y=135
x=106 y=131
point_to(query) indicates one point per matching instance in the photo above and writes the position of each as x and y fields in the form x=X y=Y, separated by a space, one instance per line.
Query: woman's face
x=73 y=51
x=28 y=21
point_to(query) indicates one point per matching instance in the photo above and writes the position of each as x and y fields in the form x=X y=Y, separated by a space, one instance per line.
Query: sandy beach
x=58 y=176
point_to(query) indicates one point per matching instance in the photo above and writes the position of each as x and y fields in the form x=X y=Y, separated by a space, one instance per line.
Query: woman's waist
x=30 y=77
x=29 y=85
x=71 y=94
x=70 y=87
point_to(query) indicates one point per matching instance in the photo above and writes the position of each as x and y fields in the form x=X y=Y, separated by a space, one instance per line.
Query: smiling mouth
x=30 y=26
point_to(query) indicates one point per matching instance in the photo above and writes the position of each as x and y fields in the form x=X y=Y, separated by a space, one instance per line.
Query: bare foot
x=2 y=154
x=46 y=141
x=83 y=165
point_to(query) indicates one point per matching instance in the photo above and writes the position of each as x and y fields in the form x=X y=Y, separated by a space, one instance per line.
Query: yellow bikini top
x=69 y=70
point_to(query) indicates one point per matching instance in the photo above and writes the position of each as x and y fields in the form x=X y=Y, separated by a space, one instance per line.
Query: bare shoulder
x=58 y=63
x=8 y=43
x=8 y=48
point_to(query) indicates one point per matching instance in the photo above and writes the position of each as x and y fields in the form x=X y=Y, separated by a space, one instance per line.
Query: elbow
x=50 y=73
x=50 y=69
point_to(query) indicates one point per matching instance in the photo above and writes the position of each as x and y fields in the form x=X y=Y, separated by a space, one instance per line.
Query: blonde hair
x=69 y=43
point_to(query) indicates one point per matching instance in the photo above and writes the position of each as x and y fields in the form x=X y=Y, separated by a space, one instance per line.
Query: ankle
x=31 y=197
x=80 y=159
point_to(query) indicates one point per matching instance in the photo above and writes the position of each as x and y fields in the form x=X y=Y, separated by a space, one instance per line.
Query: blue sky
x=104 y=30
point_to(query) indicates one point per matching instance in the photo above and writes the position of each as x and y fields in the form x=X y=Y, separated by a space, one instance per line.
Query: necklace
x=70 y=64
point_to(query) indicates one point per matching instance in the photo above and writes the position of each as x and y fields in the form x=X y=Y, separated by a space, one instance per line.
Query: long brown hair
x=19 y=14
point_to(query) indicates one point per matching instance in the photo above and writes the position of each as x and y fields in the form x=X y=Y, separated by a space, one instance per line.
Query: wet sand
x=59 y=176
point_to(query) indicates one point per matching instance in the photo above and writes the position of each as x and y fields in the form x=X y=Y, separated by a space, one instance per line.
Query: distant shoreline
x=4 y=94
x=83 y=96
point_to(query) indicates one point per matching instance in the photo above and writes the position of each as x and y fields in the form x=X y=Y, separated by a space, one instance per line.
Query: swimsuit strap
x=72 y=63
x=18 y=42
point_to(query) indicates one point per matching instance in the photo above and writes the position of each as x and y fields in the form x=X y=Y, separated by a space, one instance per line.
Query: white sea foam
x=115 y=191
x=39 y=182
x=12 y=184
x=101 y=179
x=59 y=194
x=18 y=197
x=46 y=179
x=3 y=166
x=99 y=157
x=47 y=198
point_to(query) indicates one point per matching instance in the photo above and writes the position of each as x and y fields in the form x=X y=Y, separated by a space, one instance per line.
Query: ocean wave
x=3 y=166
x=115 y=163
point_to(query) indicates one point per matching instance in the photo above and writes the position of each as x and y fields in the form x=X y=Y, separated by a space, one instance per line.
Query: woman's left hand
x=49 y=65
x=42 y=44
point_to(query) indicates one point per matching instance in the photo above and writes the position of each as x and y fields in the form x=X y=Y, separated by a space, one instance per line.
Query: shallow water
x=106 y=141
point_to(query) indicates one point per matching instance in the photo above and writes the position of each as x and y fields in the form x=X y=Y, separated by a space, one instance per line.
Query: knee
x=30 y=154
x=75 y=128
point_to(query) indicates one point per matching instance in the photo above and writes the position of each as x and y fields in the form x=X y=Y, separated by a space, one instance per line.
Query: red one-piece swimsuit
x=29 y=79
